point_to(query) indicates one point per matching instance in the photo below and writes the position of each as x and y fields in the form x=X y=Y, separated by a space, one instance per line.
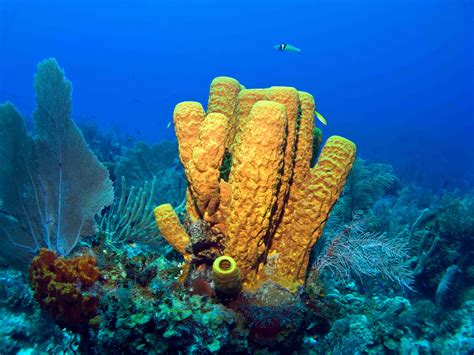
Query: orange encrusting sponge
x=274 y=204
x=64 y=287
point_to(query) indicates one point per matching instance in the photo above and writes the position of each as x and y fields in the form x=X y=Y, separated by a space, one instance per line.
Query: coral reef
x=145 y=308
x=384 y=324
x=272 y=191
x=187 y=324
x=392 y=270
x=25 y=328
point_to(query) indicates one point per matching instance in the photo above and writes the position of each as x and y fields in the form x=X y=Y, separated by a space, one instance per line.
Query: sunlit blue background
x=394 y=76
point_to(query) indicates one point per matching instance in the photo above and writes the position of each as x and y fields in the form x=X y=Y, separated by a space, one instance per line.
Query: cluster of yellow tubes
x=274 y=204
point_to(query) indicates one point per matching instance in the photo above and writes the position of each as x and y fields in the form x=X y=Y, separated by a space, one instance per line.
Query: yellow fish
x=321 y=118
x=168 y=125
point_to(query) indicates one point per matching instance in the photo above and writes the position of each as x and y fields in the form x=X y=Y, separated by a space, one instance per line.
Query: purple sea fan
x=51 y=186
x=354 y=251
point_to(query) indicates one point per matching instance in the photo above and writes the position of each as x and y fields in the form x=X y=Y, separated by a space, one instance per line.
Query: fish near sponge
x=274 y=203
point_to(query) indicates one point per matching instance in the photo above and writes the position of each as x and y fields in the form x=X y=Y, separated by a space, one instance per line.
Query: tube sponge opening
x=227 y=278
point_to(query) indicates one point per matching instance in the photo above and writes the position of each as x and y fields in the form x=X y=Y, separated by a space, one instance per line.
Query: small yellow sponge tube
x=227 y=278
x=171 y=229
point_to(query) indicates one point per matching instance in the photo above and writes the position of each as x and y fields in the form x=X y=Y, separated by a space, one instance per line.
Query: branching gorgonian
x=352 y=250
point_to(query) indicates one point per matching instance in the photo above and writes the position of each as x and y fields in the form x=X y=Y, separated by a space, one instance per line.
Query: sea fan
x=354 y=251
x=52 y=186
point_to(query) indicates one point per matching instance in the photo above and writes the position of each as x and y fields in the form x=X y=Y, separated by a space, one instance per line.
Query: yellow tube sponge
x=227 y=277
x=188 y=117
x=223 y=99
x=171 y=229
x=305 y=138
x=256 y=172
x=286 y=232
x=274 y=206
x=246 y=99
x=305 y=216
x=289 y=98
x=203 y=167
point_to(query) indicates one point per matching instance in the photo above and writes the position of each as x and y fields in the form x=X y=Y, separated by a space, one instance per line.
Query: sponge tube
x=227 y=278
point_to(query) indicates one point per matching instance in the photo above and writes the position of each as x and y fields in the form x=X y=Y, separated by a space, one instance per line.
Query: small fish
x=321 y=118
x=168 y=125
x=138 y=132
x=285 y=47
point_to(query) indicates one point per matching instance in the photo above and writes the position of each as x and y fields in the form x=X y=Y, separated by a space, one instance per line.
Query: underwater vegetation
x=248 y=236
x=131 y=215
x=51 y=185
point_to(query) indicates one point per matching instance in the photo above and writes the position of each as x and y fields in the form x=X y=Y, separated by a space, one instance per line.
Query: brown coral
x=64 y=287
x=274 y=204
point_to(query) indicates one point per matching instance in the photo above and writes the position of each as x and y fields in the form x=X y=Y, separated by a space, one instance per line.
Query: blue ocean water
x=381 y=265
x=394 y=76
